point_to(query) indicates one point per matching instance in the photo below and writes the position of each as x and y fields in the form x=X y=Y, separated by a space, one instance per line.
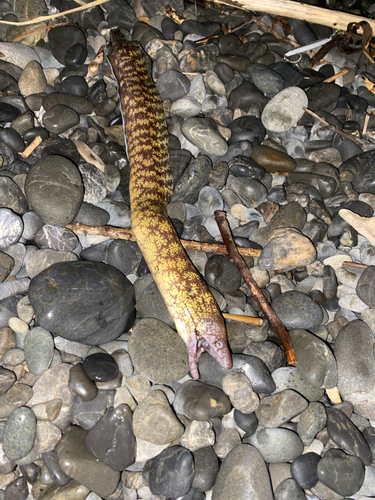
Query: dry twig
x=334 y=77
x=53 y=16
x=243 y=319
x=126 y=234
x=33 y=145
x=340 y=132
x=348 y=263
x=270 y=314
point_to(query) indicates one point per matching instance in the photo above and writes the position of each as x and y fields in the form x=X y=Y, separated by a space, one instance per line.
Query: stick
x=347 y=263
x=270 y=314
x=340 y=132
x=119 y=233
x=33 y=145
x=53 y=16
x=296 y=10
x=243 y=319
x=334 y=77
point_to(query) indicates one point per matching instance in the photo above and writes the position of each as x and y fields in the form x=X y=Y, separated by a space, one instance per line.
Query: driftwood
x=296 y=10
x=363 y=225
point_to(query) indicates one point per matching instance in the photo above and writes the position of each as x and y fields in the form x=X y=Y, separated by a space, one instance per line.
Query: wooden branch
x=334 y=77
x=119 y=233
x=340 y=132
x=54 y=16
x=348 y=263
x=270 y=314
x=243 y=319
x=302 y=11
x=363 y=225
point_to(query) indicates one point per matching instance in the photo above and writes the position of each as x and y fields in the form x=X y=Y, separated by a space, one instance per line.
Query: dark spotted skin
x=197 y=317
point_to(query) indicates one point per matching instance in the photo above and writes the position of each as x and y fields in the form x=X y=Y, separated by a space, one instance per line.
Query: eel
x=189 y=301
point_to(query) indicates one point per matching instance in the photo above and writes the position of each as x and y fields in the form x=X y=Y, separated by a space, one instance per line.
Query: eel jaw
x=218 y=349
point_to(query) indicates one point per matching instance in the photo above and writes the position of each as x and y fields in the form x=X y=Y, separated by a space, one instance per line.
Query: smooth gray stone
x=19 y=433
x=347 y=436
x=77 y=463
x=87 y=413
x=277 y=445
x=311 y=421
x=366 y=286
x=222 y=274
x=59 y=119
x=150 y=303
x=206 y=465
x=54 y=189
x=201 y=401
x=69 y=302
x=343 y=473
x=288 y=377
x=315 y=360
x=111 y=440
x=80 y=104
x=243 y=474
x=289 y=490
x=39 y=349
x=6 y=266
x=212 y=373
x=251 y=192
x=356 y=367
x=279 y=408
x=194 y=177
x=298 y=310
x=152 y=340
x=17 y=490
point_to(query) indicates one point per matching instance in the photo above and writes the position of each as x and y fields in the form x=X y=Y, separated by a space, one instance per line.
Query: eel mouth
x=218 y=350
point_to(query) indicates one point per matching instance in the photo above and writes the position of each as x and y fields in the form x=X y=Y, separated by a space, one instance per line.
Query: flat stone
x=54 y=189
x=355 y=365
x=346 y=435
x=152 y=340
x=243 y=474
x=111 y=440
x=77 y=463
x=155 y=408
x=109 y=309
x=288 y=377
x=19 y=433
x=343 y=473
x=200 y=401
x=39 y=349
x=315 y=361
x=286 y=249
x=311 y=421
x=277 y=445
x=171 y=473
x=279 y=408
x=285 y=109
x=297 y=310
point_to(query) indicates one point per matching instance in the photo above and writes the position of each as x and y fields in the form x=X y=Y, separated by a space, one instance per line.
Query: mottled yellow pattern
x=189 y=301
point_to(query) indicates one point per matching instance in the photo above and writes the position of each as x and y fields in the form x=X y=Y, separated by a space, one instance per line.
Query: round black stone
x=100 y=367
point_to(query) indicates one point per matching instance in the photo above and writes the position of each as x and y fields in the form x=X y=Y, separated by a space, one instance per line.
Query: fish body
x=190 y=303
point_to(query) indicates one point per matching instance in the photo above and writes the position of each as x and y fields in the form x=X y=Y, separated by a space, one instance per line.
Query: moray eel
x=190 y=303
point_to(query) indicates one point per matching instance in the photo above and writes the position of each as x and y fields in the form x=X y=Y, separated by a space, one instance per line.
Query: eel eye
x=220 y=344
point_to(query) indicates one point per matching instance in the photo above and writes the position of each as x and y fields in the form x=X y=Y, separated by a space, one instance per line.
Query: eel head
x=209 y=336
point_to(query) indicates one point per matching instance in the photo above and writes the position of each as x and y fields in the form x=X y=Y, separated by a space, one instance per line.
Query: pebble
x=344 y=474
x=171 y=473
x=19 y=433
x=155 y=408
x=243 y=474
x=284 y=109
x=146 y=352
x=97 y=323
x=111 y=440
x=238 y=122
x=78 y=464
x=201 y=401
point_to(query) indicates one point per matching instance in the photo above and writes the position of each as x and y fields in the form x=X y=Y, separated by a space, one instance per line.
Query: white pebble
x=17 y=325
